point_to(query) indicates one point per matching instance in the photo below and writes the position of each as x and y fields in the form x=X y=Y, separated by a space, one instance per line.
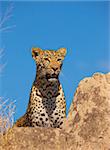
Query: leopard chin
x=52 y=79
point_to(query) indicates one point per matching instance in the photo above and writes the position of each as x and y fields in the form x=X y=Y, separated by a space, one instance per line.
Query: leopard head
x=49 y=62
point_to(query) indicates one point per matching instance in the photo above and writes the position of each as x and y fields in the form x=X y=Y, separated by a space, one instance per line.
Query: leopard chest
x=46 y=110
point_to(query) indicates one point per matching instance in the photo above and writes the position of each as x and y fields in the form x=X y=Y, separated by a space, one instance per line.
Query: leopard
x=47 y=104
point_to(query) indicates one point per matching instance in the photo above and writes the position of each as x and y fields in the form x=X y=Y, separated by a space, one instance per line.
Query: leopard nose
x=55 y=68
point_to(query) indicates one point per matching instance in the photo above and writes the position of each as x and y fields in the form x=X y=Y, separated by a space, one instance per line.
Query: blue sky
x=81 y=27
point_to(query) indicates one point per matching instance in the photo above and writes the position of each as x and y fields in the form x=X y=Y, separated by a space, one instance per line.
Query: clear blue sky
x=81 y=27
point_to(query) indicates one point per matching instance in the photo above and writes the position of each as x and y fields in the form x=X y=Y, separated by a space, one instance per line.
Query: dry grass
x=7 y=110
x=7 y=107
x=4 y=18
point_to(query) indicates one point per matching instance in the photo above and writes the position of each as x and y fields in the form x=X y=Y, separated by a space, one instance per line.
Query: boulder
x=89 y=116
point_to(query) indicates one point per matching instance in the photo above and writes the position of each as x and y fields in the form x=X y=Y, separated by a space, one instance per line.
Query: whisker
x=65 y=77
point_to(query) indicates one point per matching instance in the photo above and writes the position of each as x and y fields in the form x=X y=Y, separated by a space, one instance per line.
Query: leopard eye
x=47 y=59
x=59 y=59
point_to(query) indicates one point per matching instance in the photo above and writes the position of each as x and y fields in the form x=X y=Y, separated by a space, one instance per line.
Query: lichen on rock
x=89 y=115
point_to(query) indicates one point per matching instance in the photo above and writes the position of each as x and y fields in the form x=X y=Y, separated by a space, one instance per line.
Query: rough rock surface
x=89 y=115
x=86 y=128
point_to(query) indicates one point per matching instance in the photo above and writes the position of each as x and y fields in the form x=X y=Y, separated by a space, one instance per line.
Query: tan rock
x=25 y=138
x=89 y=115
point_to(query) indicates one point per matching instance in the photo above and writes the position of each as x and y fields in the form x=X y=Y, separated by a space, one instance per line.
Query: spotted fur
x=47 y=107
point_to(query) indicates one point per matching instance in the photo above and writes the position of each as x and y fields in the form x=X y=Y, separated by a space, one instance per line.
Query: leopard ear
x=62 y=51
x=36 y=52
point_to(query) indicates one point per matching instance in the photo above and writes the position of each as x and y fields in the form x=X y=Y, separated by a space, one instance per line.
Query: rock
x=29 y=138
x=89 y=115
x=87 y=126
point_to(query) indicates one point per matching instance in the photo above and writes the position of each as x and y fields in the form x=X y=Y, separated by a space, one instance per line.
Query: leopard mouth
x=52 y=77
